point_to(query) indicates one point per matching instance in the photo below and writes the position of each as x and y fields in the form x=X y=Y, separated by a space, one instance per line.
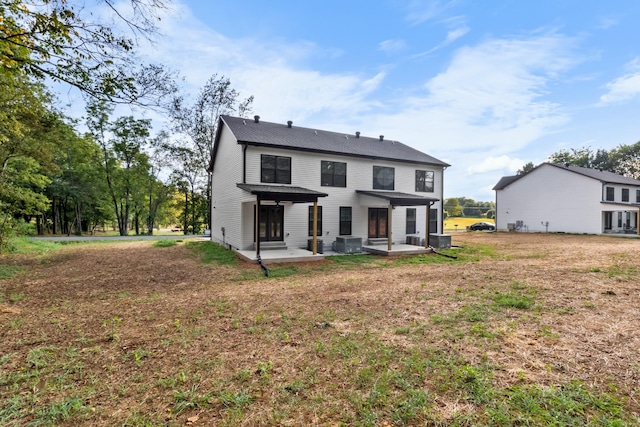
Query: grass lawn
x=520 y=329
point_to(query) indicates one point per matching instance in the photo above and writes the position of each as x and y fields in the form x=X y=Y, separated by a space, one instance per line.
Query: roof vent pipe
x=566 y=165
x=357 y=134
x=289 y=123
x=381 y=137
x=256 y=119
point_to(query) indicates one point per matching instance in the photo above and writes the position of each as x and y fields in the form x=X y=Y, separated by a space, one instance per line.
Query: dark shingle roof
x=400 y=199
x=505 y=180
x=300 y=138
x=282 y=193
x=600 y=175
x=597 y=174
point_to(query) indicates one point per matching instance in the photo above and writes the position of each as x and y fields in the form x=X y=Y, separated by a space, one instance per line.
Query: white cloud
x=477 y=114
x=625 y=87
x=501 y=163
x=392 y=46
x=426 y=10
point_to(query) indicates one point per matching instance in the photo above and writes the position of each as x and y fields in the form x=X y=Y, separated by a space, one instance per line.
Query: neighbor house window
x=619 y=219
x=637 y=196
x=383 y=178
x=610 y=197
x=608 y=220
x=424 y=181
x=275 y=169
x=625 y=194
x=319 y=228
x=627 y=219
x=333 y=174
x=345 y=220
x=411 y=221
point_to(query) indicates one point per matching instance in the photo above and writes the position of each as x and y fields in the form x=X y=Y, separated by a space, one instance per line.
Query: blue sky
x=486 y=86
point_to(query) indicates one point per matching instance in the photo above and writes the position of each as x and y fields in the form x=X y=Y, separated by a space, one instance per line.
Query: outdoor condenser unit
x=348 y=244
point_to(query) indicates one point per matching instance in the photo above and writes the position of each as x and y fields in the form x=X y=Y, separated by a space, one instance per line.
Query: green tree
x=584 y=157
x=66 y=42
x=526 y=168
x=26 y=149
x=125 y=165
x=626 y=160
x=198 y=124
x=452 y=207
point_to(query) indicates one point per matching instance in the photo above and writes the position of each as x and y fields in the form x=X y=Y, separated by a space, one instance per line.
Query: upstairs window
x=637 y=196
x=333 y=174
x=610 y=193
x=383 y=178
x=424 y=181
x=625 y=194
x=319 y=228
x=275 y=169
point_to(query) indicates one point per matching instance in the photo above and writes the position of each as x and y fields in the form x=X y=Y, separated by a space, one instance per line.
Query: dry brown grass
x=151 y=336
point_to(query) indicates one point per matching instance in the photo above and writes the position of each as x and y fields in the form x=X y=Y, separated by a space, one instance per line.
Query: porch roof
x=621 y=206
x=282 y=193
x=396 y=198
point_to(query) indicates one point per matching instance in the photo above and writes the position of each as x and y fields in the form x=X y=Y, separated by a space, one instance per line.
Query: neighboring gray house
x=289 y=185
x=569 y=199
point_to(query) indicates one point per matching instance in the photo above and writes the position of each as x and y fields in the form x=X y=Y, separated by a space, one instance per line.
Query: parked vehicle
x=482 y=226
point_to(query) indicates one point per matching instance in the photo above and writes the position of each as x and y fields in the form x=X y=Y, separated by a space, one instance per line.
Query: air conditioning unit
x=348 y=244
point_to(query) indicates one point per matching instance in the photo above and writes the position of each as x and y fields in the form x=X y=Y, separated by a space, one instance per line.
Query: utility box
x=413 y=240
x=348 y=244
x=440 y=241
x=319 y=246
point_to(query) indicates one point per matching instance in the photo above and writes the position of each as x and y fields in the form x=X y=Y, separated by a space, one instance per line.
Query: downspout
x=244 y=163
x=426 y=226
x=258 y=257
x=390 y=227
x=441 y=225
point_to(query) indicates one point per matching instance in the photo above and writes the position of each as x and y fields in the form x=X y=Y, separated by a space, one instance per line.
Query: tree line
x=623 y=160
x=119 y=172
x=463 y=206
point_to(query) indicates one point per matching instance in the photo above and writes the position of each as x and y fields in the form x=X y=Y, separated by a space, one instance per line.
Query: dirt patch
x=150 y=329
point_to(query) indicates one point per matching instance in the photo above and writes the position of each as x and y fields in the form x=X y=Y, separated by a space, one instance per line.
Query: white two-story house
x=288 y=186
x=568 y=199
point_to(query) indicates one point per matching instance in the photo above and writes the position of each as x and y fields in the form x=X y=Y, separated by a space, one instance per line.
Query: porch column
x=426 y=228
x=314 y=243
x=257 y=225
x=389 y=228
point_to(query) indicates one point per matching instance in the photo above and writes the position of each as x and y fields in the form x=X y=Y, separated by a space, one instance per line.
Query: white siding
x=305 y=172
x=226 y=197
x=568 y=201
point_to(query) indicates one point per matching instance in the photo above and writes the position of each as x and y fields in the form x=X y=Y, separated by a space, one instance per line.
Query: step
x=266 y=246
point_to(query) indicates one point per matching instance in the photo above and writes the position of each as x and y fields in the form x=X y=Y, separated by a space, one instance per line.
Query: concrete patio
x=272 y=256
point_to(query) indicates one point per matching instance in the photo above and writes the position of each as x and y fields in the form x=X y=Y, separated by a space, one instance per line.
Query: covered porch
x=620 y=219
x=394 y=199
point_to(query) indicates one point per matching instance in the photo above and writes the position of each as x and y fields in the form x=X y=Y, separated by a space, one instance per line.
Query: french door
x=378 y=222
x=271 y=224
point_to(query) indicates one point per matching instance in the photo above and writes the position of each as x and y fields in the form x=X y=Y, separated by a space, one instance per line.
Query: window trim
x=377 y=185
x=319 y=225
x=610 y=197
x=278 y=178
x=424 y=181
x=333 y=174
x=344 y=223
x=411 y=226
